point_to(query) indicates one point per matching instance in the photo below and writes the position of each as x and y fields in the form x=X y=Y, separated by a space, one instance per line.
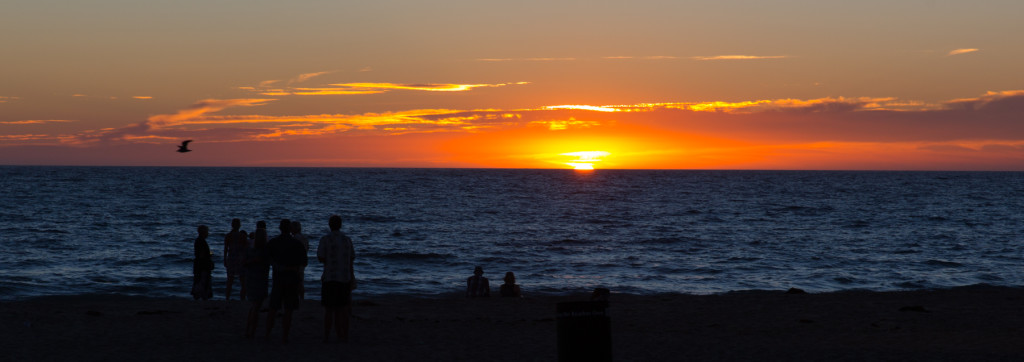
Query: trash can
x=584 y=332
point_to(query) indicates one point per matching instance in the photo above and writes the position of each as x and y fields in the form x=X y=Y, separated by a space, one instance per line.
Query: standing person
x=297 y=234
x=338 y=280
x=202 y=266
x=477 y=285
x=257 y=269
x=287 y=256
x=510 y=288
x=260 y=225
x=234 y=258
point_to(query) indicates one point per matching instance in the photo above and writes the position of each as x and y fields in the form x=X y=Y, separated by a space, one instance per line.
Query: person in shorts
x=234 y=258
x=287 y=257
x=338 y=279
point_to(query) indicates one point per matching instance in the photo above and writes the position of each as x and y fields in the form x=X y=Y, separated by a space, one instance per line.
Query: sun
x=579 y=166
x=585 y=160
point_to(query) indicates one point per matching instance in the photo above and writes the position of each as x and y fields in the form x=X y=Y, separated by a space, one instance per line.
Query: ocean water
x=129 y=230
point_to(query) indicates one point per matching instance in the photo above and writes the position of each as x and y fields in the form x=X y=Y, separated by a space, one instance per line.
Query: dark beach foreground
x=967 y=323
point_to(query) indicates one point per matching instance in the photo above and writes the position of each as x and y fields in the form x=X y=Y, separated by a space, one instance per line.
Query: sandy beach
x=967 y=323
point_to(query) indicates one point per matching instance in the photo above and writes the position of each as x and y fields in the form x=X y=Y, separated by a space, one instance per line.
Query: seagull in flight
x=184 y=147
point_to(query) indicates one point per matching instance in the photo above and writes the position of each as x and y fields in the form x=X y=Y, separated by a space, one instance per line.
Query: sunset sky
x=859 y=85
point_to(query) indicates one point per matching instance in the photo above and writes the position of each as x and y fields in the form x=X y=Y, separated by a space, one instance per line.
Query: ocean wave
x=570 y=242
x=943 y=263
x=803 y=210
x=411 y=256
x=844 y=280
x=377 y=218
x=911 y=285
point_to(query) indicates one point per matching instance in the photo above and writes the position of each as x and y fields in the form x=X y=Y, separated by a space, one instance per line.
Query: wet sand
x=968 y=323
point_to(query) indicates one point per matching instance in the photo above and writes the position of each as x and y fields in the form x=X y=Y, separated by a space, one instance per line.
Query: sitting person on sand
x=510 y=288
x=477 y=285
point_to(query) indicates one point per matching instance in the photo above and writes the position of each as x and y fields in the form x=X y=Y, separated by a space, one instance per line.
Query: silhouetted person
x=234 y=258
x=338 y=280
x=184 y=147
x=202 y=266
x=297 y=234
x=477 y=285
x=287 y=256
x=510 y=288
x=262 y=225
x=257 y=268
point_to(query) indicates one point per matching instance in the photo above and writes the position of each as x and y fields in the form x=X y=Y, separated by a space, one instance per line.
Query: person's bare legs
x=241 y=281
x=271 y=315
x=227 y=293
x=341 y=320
x=329 y=317
x=286 y=323
x=254 y=319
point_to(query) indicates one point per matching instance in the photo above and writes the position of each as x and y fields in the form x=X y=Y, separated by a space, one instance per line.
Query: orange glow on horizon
x=585 y=160
x=584 y=107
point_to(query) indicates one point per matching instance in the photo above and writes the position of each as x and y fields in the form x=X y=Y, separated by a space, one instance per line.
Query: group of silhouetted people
x=255 y=260
x=478 y=286
x=283 y=259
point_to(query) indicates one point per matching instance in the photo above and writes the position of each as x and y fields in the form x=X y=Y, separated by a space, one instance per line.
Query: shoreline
x=978 y=322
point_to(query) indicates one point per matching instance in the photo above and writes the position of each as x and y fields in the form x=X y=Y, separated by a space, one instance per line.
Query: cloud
x=154 y=125
x=961 y=51
x=988 y=100
x=824 y=131
x=649 y=57
x=307 y=76
x=827 y=104
x=373 y=88
x=538 y=59
x=429 y=87
x=741 y=57
x=6 y=99
x=25 y=137
x=203 y=107
x=37 y=121
x=142 y=97
x=585 y=107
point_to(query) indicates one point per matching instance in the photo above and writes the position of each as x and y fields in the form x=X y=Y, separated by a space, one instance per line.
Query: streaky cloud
x=991 y=119
x=649 y=57
x=203 y=107
x=740 y=57
x=37 y=121
x=307 y=76
x=157 y=123
x=961 y=51
x=988 y=100
x=535 y=59
x=25 y=137
x=375 y=88
x=585 y=107
x=430 y=87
